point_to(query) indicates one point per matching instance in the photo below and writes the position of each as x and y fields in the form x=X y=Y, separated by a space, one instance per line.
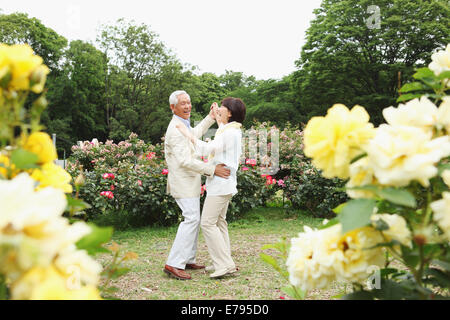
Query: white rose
x=417 y=113
x=440 y=61
x=400 y=154
x=441 y=209
x=398 y=229
x=443 y=115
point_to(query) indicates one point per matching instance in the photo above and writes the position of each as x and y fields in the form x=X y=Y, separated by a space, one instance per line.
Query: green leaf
x=391 y=290
x=413 y=86
x=398 y=196
x=442 y=167
x=389 y=244
x=408 y=96
x=356 y=214
x=270 y=260
x=330 y=223
x=444 y=75
x=423 y=73
x=359 y=295
x=443 y=264
x=295 y=293
x=441 y=277
x=76 y=204
x=339 y=208
x=381 y=225
x=410 y=256
x=358 y=157
x=387 y=271
x=24 y=159
x=3 y=288
x=93 y=241
x=394 y=195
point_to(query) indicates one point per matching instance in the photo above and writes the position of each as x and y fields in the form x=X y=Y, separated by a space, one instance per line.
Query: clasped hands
x=221 y=170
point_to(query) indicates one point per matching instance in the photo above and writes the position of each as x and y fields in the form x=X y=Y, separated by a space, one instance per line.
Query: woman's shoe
x=232 y=270
x=218 y=274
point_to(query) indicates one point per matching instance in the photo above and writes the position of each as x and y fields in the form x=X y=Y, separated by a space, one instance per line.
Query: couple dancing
x=182 y=147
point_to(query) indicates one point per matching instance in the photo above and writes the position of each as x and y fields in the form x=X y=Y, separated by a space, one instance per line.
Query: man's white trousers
x=184 y=248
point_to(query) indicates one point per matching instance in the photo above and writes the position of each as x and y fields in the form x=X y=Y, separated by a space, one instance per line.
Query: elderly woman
x=225 y=148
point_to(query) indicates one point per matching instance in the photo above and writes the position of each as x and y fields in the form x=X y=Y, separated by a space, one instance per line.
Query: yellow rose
x=334 y=140
x=49 y=284
x=21 y=63
x=319 y=257
x=41 y=144
x=51 y=175
x=360 y=175
x=398 y=229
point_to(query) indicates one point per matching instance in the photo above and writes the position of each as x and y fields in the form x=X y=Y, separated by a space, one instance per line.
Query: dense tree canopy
x=348 y=59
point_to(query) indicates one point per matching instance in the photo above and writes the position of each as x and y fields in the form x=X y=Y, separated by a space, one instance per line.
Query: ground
x=255 y=280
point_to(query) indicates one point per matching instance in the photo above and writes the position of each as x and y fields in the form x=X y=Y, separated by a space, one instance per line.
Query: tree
x=141 y=72
x=19 y=28
x=77 y=101
x=347 y=59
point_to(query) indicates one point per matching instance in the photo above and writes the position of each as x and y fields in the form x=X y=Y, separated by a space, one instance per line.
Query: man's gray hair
x=173 y=99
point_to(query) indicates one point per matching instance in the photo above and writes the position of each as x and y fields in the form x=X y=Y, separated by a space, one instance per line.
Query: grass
x=254 y=281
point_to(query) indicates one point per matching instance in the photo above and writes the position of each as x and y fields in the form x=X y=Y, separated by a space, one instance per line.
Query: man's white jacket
x=185 y=167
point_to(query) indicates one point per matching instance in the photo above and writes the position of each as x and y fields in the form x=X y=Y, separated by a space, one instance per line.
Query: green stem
x=427 y=209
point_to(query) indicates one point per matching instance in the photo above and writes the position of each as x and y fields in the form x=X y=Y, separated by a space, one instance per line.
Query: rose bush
x=43 y=255
x=398 y=179
x=303 y=185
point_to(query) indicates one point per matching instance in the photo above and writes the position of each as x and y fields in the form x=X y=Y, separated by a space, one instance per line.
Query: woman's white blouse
x=226 y=148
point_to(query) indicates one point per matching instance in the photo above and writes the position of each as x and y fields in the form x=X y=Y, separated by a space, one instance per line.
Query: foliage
x=309 y=190
x=42 y=254
x=18 y=28
x=347 y=59
x=399 y=209
x=132 y=172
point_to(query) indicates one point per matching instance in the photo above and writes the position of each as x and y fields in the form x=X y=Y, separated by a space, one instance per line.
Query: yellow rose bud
x=41 y=144
x=38 y=78
x=80 y=180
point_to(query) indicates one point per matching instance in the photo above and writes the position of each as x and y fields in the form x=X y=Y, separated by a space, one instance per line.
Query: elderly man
x=184 y=183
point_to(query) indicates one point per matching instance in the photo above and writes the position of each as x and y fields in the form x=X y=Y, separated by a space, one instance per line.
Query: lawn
x=254 y=281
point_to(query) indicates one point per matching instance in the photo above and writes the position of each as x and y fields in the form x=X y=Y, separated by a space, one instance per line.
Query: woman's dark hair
x=237 y=108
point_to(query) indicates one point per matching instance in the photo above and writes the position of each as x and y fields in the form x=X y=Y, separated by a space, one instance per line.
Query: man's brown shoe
x=179 y=274
x=194 y=266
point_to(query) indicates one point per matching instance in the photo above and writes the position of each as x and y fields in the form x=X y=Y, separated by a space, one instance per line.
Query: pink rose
x=139 y=182
x=165 y=171
x=244 y=168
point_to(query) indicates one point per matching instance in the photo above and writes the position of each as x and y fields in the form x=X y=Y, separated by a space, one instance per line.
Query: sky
x=257 y=37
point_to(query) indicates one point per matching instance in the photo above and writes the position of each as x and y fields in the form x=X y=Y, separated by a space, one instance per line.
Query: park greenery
x=112 y=96
x=120 y=83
